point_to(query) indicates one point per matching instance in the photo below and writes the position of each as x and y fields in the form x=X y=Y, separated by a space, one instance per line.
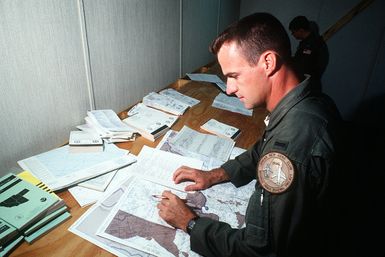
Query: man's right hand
x=202 y=179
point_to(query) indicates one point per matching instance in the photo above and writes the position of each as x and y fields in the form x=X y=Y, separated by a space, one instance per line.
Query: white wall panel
x=42 y=77
x=200 y=19
x=134 y=48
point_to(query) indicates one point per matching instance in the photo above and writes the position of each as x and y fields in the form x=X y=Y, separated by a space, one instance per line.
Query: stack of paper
x=59 y=168
x=165 y=103
x=179 y=96
x=27 y=210
x=231 y=103
x=149 y=122
x=107 y=125
x=221 y=129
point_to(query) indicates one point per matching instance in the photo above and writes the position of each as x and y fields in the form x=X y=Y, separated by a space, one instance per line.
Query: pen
x=189 y=204
x=159 y=197
x=162 y=197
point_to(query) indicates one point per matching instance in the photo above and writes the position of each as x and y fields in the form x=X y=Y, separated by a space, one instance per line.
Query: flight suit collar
x=289 y=101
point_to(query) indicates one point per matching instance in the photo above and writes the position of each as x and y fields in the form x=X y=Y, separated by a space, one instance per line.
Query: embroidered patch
x=275 y=172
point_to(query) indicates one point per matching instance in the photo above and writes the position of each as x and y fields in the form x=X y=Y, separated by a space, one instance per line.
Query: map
x=135 y=222
x=130 y=225
x=85 y=225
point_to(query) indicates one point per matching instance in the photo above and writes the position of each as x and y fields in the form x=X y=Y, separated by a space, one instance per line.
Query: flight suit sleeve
x=215 y=238
x=242 y=169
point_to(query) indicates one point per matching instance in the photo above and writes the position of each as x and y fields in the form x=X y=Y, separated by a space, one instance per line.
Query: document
x=125 y=234
x=134 y=221
x=149 y=122
x=221 y=129
x=81 y=141
x=190 y=101
x=164 y=145
x=230 y=103
x=59 y=168
x=107 y=120
x=99 y=183
x=165 y=103
x=88 y=224
x=151 y=114
x=212 y=78
x=159 y=166
x=86 y=196
x=192 y=143
x=107 y=125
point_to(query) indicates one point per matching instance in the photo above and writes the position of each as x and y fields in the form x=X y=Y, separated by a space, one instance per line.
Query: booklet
x=221 y=129
x=21 y=203
x=149 y=122
x=165 y=103
x=179 y=96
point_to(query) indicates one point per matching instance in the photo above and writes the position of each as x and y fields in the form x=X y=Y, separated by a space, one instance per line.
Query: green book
x=7 y=232
x=5 y=251
x=45 y=220
x=21 y=203
x=47 y=227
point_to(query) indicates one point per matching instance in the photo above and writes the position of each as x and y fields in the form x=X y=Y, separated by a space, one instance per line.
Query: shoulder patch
x=275 y=172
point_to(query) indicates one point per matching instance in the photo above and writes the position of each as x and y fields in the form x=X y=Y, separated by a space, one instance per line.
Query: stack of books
x=28 y=210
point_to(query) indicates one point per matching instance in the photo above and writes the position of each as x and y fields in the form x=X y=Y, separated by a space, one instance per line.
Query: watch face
x=191 y=225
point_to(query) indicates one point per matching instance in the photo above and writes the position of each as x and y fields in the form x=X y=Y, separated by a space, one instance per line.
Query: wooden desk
x=60 y=242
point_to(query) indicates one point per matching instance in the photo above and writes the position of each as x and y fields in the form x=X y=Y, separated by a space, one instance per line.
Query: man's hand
x=175 y=211
x=202 y=179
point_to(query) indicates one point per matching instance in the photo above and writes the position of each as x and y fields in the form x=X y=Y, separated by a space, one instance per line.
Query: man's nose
x=230 y=87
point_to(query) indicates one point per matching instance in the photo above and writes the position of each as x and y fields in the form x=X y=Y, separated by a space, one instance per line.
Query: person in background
x=312 y=54
x=293 y=163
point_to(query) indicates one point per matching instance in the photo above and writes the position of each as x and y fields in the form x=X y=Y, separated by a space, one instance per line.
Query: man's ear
x=270 y=62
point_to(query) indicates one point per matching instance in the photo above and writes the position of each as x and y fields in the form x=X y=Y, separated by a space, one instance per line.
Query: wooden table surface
x=60 y=242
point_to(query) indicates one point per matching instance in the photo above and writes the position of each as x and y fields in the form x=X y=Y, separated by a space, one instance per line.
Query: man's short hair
x=255 y=34
x=299 y=22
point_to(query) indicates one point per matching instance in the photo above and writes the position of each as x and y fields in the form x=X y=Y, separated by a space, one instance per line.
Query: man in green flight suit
x=293 y=163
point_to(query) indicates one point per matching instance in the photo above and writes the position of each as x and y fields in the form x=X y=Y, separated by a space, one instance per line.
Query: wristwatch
x=191 y=224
